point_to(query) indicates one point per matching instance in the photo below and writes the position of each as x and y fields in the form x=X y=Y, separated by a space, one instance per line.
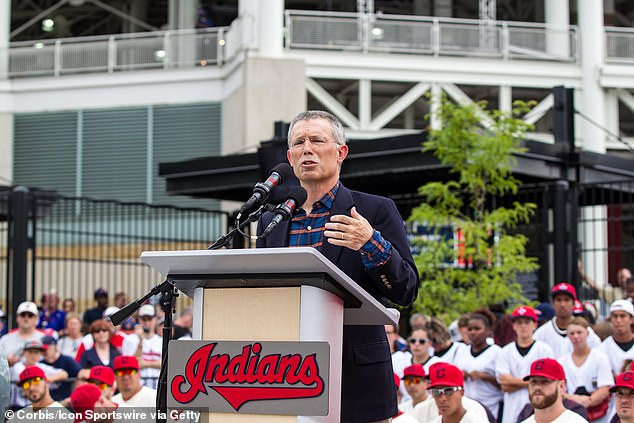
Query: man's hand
x=349 y=231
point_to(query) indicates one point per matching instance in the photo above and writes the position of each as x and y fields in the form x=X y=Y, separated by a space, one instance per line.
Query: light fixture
x=159 y=55
x=38 y=45
x=377 y=33
x=48 y=25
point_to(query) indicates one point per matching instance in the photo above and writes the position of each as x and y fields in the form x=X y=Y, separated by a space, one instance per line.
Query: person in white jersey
x=447 y=389
x=415 y=380
x=478 y=362
x=623 y=391
x=588 y=370
x=131 y=392
x=554 y=332
x=619 y=347
x=515 y=362
x=546 y=388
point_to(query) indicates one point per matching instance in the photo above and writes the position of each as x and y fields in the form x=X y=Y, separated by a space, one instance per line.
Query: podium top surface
x=185 y=265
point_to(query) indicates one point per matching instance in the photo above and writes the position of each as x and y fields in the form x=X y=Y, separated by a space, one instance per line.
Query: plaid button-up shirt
x=307 y=230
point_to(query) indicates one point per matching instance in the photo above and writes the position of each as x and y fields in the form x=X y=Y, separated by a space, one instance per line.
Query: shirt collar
x=329 y=198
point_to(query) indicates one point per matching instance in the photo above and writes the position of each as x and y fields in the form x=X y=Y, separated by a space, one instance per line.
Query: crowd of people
x=57 y=357
x=554 y=363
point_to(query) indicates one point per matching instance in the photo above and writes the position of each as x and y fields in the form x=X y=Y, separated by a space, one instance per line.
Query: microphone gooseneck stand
x=168 y=296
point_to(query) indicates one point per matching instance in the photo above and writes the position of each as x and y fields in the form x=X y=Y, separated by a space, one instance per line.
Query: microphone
x=296 y=197
x=261 y=190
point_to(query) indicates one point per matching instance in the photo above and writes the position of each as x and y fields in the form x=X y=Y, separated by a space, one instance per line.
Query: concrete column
x=436 y=98
x=6 y=148
x=365 y=103
x=182 y=14
x=267 y=19
x=5 y=30
x=505 y=98
x=556 y=16
x=590 y=17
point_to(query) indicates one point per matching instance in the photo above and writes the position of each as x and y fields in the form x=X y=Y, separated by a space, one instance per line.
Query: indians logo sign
x=249 y=377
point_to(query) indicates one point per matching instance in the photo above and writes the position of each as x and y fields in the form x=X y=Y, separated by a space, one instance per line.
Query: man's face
x=102 y=301
x=26 y=320
x=524 y=327
x=53 y=301
x=543 y=392
x=32 y=356
x=448 y=400
x=35 y=389
x=50 y=353
x=128 y=380
x=621 y=322
x=624 y=403
x=563 y=304
x=622 y=276
x=416 y=387
x=313 y=153
x=148 y=323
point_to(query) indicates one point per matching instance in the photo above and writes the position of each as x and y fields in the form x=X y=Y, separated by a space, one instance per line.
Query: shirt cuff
x=376 y=252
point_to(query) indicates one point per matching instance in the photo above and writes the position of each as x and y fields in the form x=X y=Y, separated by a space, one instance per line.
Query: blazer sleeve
x=397 y=279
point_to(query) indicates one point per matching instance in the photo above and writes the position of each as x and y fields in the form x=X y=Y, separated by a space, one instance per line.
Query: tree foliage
x=478 y=146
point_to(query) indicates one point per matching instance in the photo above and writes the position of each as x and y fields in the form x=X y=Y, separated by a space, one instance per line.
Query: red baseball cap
x=414 y=370
x=564 y=288
x=548 y=368
x=445 y=374
x=83 y=399
x=397 y=381
x=31 y=372
x=524 y=311
x=578 y=309
x=126 y=362
x=102 y=374
x=624 y=380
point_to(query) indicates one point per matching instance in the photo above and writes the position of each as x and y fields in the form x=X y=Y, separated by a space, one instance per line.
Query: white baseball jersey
x=485 y=392
x=518 y=365
x=558 y=339
x=616 y=354
x=594 y=373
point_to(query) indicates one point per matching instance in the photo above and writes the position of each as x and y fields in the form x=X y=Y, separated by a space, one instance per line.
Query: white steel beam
x=540 y=109
x=398 y=106
x=626 y=98
x=365 y=103
x=332 y=104
x=458 y=95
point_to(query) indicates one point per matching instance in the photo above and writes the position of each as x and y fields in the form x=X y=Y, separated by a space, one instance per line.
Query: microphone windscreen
x=298 y=194
x=284 y=170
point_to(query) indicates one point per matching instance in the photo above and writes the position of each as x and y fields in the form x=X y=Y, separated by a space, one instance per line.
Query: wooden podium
x=271 y=294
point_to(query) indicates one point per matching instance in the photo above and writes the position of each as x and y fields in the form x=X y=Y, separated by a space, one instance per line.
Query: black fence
x=76 y=245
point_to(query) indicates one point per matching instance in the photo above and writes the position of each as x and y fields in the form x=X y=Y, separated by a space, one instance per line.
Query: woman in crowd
x=419 y=345
x=588 y=373
x=478 y=362
x=440 y=340
x=69 y=343
x=101 y=353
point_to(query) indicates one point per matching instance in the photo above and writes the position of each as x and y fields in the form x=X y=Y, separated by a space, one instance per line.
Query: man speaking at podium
x=364 y=236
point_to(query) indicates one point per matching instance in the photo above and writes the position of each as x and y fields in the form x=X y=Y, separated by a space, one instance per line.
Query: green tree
x=478 y=146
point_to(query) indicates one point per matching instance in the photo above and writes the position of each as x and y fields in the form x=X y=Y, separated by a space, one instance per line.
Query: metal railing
x=425 y=35
x=77 y=244
x=619 y=45
x=119 y=52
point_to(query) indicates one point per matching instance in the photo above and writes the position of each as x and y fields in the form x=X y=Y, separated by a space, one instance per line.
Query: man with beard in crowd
x=546 y=387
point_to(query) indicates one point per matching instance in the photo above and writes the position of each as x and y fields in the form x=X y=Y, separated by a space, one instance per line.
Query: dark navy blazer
x=368 y=390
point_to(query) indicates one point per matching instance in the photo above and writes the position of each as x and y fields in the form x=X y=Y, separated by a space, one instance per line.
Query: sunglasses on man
x=448 y=391
x=31 y=382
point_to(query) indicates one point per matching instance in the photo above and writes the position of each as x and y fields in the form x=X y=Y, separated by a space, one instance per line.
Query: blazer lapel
x=342 y=205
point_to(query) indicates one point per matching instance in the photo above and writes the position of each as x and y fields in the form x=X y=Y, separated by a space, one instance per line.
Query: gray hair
x=335 y=125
